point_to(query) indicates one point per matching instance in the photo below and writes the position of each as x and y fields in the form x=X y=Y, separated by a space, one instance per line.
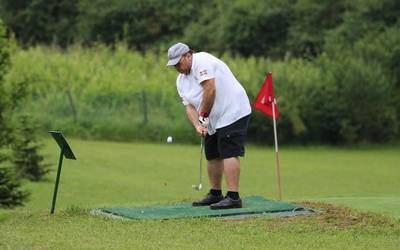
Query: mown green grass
x=123 y=174
x=74 y=231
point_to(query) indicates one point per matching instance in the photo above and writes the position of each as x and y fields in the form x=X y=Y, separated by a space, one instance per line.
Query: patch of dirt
x=334 y=216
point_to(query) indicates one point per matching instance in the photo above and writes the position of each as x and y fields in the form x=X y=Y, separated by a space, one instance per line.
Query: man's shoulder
x=182 y=79
x=203 y=56
x=179 y=79
x=203 y=59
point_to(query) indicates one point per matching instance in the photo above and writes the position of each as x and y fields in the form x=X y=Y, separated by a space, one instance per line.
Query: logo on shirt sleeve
x=203 y=72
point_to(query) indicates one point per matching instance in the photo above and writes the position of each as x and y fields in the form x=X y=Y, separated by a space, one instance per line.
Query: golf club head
x=197 y=187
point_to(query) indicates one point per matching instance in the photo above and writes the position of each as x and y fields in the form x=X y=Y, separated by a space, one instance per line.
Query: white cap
x=175 y=52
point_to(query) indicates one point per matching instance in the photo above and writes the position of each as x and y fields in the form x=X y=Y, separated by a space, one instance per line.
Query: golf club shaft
x=201 y=158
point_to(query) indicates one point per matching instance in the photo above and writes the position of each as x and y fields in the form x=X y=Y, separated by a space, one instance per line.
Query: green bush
x=364 y=70
x=352 y=105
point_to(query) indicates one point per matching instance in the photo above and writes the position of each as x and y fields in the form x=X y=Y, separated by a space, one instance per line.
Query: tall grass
x=98 y=92
x=116 y=93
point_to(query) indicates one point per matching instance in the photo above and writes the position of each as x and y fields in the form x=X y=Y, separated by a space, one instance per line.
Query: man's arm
x=194 y=119
x=208 y=97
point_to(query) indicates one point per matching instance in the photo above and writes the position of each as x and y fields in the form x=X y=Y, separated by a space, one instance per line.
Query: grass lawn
x=122 y=174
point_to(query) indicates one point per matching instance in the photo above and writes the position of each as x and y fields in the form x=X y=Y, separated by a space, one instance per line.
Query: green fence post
x=53 y=205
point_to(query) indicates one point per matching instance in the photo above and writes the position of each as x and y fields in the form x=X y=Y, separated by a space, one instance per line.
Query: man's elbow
x=189 y=108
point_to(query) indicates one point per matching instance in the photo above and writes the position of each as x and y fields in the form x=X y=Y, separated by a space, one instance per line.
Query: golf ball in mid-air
x=169 y=139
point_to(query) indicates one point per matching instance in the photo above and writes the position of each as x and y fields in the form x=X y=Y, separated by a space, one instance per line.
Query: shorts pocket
x=230 y=135
x=232 y=143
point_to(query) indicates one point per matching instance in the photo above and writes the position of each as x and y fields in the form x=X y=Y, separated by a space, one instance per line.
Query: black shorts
x=228 y=141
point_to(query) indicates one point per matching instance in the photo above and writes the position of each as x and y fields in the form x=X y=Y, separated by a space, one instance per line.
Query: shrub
x=26 y=156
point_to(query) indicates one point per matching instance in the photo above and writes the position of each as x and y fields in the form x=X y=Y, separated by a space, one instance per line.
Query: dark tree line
x=273 y=28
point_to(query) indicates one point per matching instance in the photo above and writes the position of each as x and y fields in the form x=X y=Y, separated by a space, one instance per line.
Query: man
x=219 y=109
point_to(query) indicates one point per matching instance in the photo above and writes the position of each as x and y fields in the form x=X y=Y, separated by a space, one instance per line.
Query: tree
x=26 y=158
x=249 y=28
x=142 y=24
x=10 y=195
x=41 y=21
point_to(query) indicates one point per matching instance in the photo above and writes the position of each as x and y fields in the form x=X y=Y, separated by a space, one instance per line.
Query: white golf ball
x=169 y=139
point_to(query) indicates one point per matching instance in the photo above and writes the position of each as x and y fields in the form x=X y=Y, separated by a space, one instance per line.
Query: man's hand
x=203 y=120
x=201 y=130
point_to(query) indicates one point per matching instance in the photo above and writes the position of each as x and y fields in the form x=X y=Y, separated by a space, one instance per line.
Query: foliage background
x=95 y=69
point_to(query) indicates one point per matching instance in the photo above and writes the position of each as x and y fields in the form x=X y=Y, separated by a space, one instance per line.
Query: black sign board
x=62 y=143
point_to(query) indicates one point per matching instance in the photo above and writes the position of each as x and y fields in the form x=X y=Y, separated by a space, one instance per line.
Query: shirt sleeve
x=180 y=92
x=204 y=71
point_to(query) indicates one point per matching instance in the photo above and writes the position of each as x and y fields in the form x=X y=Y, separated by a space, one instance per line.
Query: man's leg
x=231 y=145
x=215 y=169
x=232 y=173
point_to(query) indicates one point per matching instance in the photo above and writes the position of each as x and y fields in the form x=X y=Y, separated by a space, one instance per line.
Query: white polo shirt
x=231 y=102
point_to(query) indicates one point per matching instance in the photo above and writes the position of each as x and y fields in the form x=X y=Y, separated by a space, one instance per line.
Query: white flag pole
x=278 y=170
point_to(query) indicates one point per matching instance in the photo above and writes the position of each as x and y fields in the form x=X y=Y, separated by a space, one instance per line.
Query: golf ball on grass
x=169 y=139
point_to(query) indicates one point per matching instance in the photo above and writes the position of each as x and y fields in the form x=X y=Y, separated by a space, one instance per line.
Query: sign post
x=65 y=151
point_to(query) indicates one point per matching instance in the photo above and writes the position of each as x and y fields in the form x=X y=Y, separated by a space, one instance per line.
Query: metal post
x=278 y=170
x=57 y=181
x=201 y=159
x=144 y=107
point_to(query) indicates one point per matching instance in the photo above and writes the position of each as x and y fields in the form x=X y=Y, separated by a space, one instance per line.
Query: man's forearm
x=192 y=115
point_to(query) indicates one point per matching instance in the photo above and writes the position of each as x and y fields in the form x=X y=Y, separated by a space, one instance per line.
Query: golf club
x=199 y=186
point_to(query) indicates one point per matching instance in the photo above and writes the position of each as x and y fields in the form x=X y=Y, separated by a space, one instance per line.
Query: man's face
x=185 y=64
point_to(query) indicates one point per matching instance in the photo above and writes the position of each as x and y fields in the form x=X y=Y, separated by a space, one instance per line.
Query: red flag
x=265 y=98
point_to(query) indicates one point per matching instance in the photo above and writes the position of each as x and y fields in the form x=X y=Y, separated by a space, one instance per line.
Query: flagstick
x=278 y=171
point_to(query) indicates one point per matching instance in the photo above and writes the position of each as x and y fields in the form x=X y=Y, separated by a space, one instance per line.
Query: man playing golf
x=219 y=109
